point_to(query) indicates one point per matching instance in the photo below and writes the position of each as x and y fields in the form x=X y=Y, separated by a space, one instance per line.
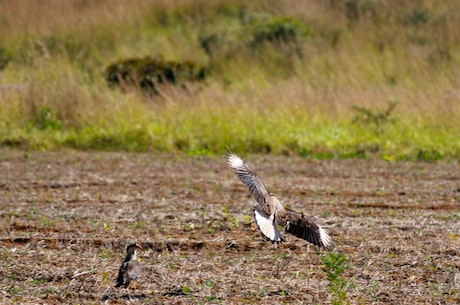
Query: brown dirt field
x=66 y=218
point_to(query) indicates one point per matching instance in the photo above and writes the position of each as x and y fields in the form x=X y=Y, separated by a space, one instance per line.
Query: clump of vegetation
x=47 y=120
x=5 y=58
x=376 y=120
x=416 y=17
x=146 y=73
x=255 y=33
x=334 y=266
x=277 y=29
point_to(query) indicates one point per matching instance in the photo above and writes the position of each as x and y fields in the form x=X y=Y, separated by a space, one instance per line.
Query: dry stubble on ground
x=67 y=217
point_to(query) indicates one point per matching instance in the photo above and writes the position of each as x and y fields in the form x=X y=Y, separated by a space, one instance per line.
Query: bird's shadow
x=126 y=296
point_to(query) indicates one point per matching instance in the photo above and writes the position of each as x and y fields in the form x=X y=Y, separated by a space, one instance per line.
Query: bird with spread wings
x=269 y=213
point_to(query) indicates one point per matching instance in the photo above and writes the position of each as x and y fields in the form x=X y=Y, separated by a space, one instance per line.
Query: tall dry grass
x=361 y=52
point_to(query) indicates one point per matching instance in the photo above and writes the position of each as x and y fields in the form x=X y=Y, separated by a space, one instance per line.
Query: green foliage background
x=323 y=79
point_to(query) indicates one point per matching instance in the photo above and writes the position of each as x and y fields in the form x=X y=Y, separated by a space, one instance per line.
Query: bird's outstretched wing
x=249 y=177
x=267 y=226
x=303 y=227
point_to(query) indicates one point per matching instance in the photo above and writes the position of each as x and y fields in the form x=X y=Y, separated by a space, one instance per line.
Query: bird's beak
x=138 y=246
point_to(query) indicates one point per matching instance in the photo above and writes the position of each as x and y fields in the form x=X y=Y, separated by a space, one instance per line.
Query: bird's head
x=132 y=250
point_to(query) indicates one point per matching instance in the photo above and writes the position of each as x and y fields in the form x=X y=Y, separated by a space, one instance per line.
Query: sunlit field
x=115 y=117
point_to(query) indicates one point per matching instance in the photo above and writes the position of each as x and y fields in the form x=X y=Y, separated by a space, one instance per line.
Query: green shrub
x=439 y=56
x=147 y=72
x=378 y=120
x=429 y=155
x=5 y=58
x=277 y=29
x=47 y=120
x=258 y=31
x=416 y=17
x=211 y=43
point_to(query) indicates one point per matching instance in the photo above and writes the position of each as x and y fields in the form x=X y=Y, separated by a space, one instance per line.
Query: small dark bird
x=270 y=212
x=130 y=269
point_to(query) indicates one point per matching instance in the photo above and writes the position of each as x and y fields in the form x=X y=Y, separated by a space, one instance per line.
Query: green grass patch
x=195 y=136
x=37 y=281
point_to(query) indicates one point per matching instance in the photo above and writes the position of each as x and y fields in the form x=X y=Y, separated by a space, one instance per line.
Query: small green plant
x=227 y=214
x=172 y=266
x=37 y=281
x=105 y=253
x=137 y=225
x=47 y=120
x=247 y=219
x=209 y=283
x=47 y=222
x=16 y=290
x=228 y=217
x=334 y=264
x=186 y=289
x=379 y=120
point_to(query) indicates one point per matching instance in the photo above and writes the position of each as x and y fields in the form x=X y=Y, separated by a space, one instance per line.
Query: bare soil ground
x=66 y=218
